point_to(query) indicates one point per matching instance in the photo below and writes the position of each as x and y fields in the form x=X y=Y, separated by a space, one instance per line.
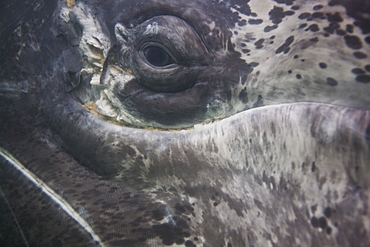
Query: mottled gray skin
x=286 y=163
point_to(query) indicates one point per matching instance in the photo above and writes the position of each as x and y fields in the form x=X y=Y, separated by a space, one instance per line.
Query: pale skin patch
x=70 y=3
x=91 y=106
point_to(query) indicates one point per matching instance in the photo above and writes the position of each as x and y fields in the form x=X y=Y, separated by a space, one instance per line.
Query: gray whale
x=185 y=123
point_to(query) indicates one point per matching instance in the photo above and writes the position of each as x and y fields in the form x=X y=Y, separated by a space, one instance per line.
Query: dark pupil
x=157 y=56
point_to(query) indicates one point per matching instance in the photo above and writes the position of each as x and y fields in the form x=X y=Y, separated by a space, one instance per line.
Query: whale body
x=185 y=123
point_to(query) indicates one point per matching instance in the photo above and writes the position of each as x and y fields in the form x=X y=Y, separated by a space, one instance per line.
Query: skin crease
x=284 y=164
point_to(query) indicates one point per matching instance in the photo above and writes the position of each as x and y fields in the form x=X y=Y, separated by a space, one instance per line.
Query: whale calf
x=185 y=123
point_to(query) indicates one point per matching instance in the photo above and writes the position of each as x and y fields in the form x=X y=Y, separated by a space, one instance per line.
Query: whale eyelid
x=67 y=208
x=195 y=29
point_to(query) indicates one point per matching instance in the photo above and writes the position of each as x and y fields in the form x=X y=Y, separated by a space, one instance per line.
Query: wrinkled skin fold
x=238 y=151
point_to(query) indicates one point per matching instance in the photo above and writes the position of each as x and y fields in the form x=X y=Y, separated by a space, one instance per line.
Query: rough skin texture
x=260 y=138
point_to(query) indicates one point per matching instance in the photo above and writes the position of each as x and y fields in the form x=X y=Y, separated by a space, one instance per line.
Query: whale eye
x=159 y=66
x=157 y=56
x=156 y=74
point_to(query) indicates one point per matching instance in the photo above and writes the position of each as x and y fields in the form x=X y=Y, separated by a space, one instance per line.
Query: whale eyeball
x=157 y=56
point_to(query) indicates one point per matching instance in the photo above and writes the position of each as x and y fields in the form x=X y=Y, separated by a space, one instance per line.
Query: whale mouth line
x=91 y=107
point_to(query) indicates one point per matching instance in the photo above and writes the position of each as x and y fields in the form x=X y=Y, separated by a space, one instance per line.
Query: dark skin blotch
x=334 y=18
x=158 y=214
x=243 y=96
x=284 y=46
x=323 y=223
x=367 y=67
x=349 y=28
x=358 y=71
x=313 y=167
x=317 y=15
x=180 y=208
x=259 y=42
x=363 y=78
x=255 y=21
x=313 y=28
x=304 y=16
x=317 y=7
x=353 y=42
x=315 y=222
x=359 y=55
x=270 y=28
x=331 y=82
x=277 y=14
x=295 y=7
x=323 y=65
x=367 y=39
x=327 y=212
x=189 y=243
x=340 y=32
